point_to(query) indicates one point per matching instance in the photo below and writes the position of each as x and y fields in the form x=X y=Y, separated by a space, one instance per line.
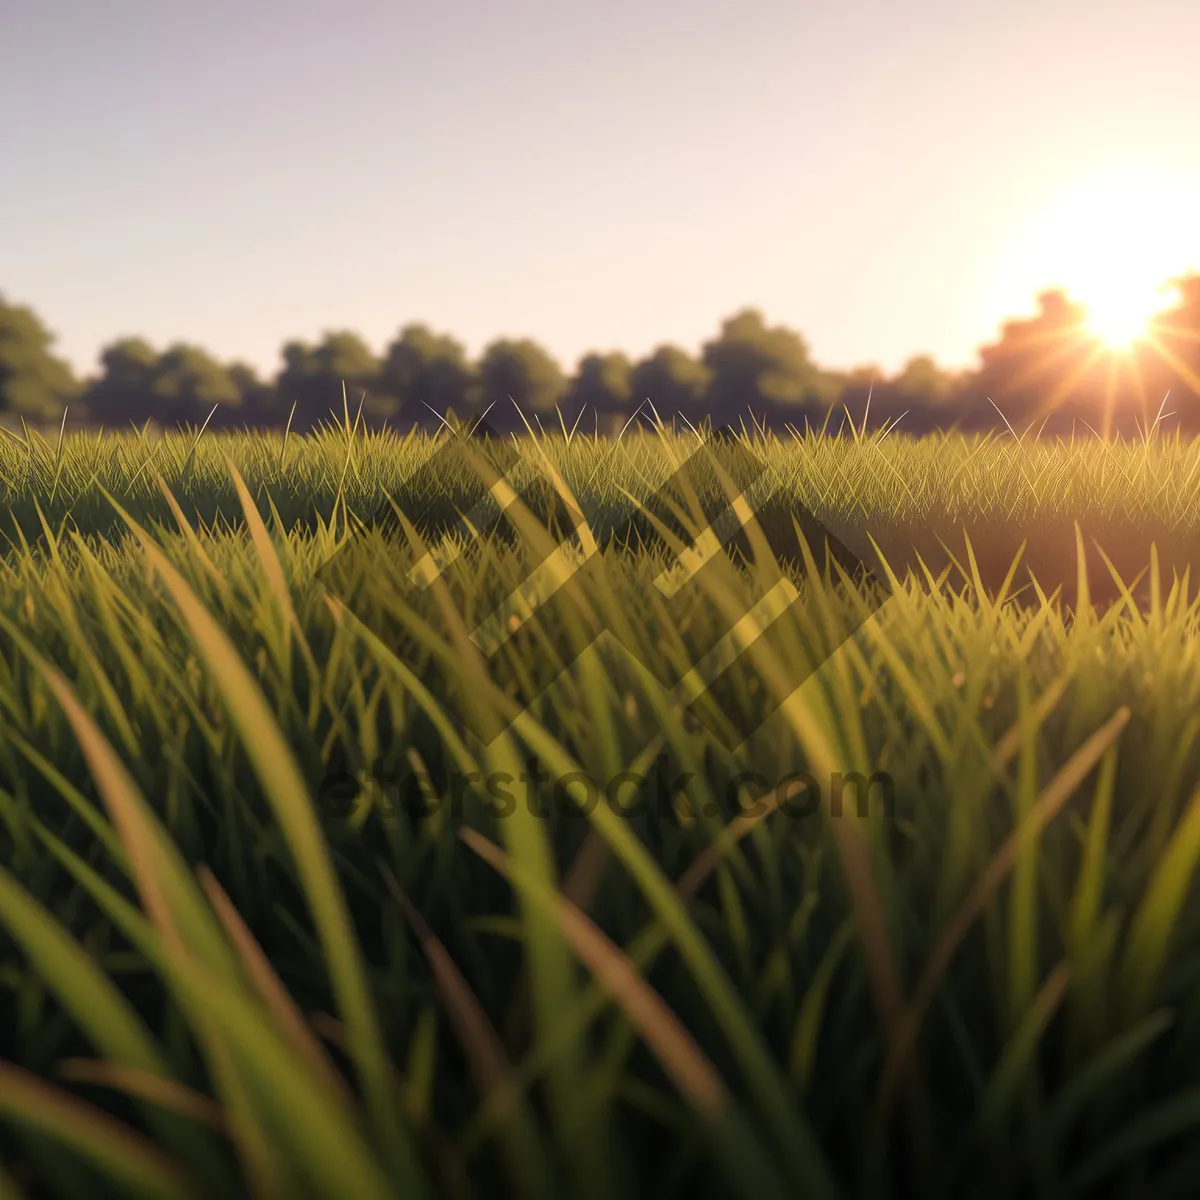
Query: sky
x=888 y=178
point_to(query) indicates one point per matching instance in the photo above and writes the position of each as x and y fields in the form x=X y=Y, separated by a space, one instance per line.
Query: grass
x=915 y=497
x=217 y=979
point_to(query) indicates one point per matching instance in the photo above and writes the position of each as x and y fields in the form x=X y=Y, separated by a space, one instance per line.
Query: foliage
x=183 y=384
x=672 y=381
x=214 y=973
x=922 y=381
x=766 y=368
x=256 y=402
x=520 y=372
x=912 y=495
x=124 y=390
x=314 y=378
x=601 y=383
x=1042 y=376
x=33 y=382
x=424 y=370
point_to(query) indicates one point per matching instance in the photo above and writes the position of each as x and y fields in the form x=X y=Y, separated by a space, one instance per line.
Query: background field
x=915 y=496
x=991 y=990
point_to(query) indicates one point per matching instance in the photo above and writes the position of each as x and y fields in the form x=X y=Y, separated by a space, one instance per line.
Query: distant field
x=990 y=986
x=915 y=497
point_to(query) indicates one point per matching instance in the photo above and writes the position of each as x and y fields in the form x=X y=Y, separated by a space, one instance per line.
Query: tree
x=601 y=382
x=189 y=382
x=522 y=370
x=922 y=381
x=1040 y=366
x=259 y=403
x=862 y=391
x=33 y=382
x=313 y=376
x=180 y=385
x=672 y=381
x=766 y=369
x=420 y=368
x=124 y=390
x=921 y=397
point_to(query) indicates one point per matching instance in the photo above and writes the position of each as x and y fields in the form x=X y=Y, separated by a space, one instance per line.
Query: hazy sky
x=596 y=175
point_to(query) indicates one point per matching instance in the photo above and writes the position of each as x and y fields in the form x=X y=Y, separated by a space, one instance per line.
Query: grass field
x=214 y=980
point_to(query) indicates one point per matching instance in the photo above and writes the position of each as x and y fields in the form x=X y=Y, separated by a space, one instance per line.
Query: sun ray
x=1066 y=343
x=1110 y=395
x=1175 y=363
x=1176 y=331
x=1140 y=384
x=1066 y=385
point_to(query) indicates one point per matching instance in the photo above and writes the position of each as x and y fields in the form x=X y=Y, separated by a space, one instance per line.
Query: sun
x=1120 y=312
x=1112 y=240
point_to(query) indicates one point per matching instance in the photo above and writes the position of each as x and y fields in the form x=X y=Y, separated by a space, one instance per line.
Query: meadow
x=218 y=977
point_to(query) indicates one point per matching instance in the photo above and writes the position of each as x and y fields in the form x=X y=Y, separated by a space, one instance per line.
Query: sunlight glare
x=1120 y=314
x=1112 y=243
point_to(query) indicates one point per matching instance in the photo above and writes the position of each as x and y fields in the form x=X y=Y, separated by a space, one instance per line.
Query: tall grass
x=218 y=981
x=916 y=497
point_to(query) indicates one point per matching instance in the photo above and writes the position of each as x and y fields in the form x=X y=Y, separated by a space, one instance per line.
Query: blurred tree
x=137 y=384
x=420 y=368
x=190 y=382
x=862 y=391
x=258 y=405
x=601 y=382
x=33 y=382
x=124 y=390
x=923 y=382
x=922 y=397
x=312 y=378
x=522 y=370
x=1045 y=365
x=870 y=375
x=673 y=381
x=764 y=369
x=1041 y=367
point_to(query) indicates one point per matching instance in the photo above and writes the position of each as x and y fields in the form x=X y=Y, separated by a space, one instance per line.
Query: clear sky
x=881 y=176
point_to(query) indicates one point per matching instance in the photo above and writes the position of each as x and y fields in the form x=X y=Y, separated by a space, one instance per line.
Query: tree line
x=1041 y=374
